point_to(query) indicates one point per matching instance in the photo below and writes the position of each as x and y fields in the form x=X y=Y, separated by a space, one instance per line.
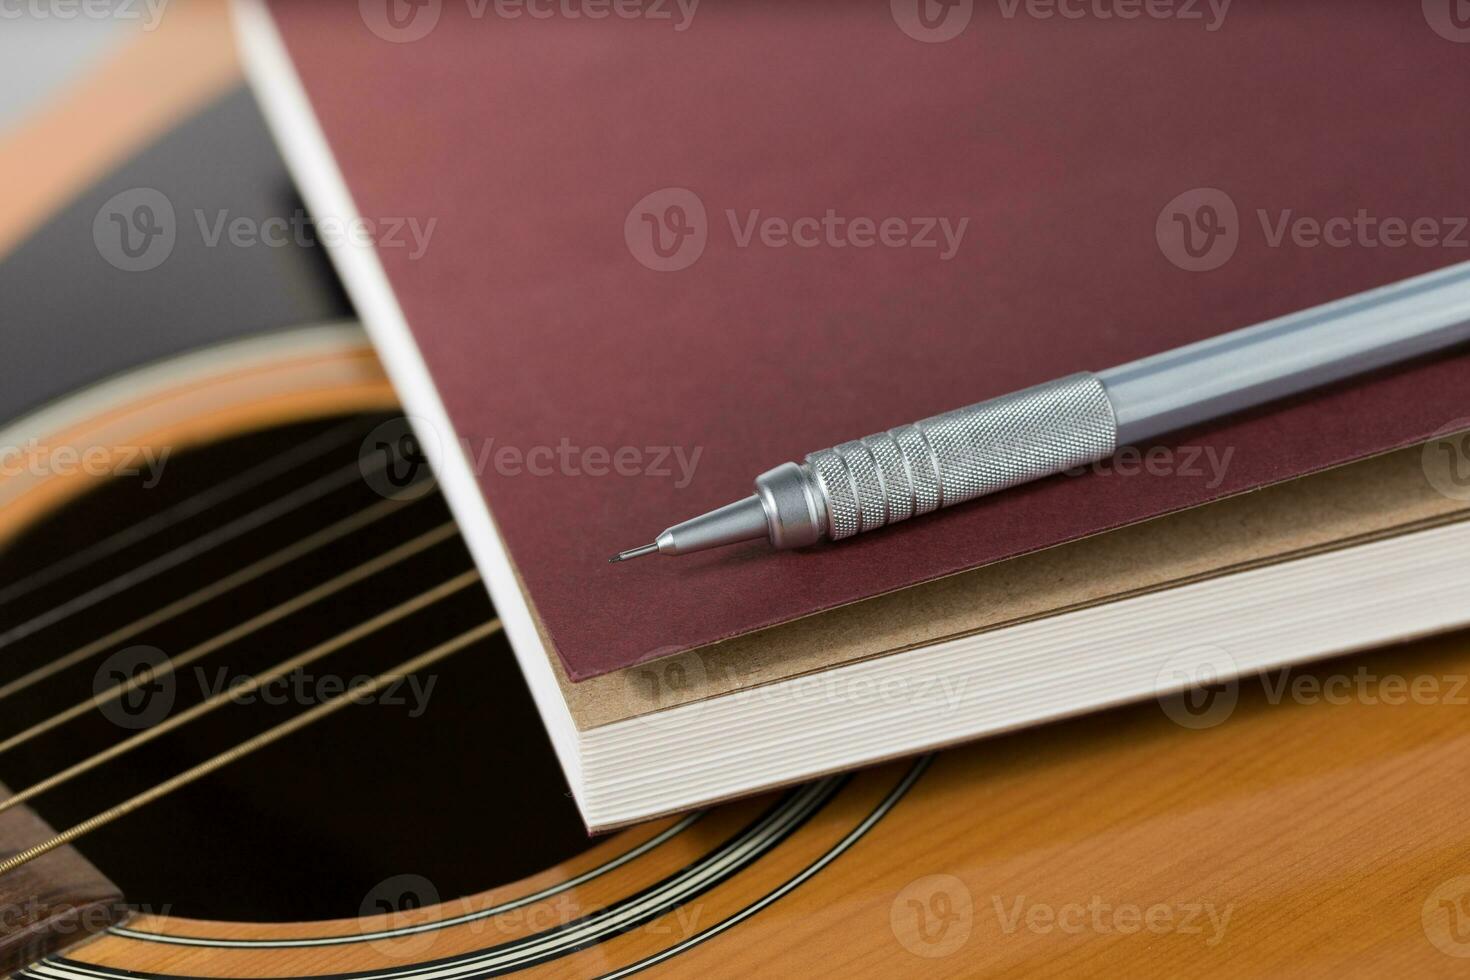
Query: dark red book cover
x=677 y=244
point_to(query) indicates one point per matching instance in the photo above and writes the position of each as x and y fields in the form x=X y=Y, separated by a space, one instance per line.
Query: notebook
x=618 y=265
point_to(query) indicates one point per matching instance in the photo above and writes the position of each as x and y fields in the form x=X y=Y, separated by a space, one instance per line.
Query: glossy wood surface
x=1315 y=826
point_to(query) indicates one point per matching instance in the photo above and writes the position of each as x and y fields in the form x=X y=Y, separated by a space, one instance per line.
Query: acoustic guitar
x=257 y=720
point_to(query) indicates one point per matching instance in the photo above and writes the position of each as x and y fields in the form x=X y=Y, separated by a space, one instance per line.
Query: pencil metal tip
x=647 y=549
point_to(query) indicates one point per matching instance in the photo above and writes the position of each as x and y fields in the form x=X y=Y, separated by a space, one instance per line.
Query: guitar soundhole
x=448 y=777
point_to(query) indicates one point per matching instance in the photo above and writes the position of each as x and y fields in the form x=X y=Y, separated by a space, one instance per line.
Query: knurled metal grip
x=963 y=454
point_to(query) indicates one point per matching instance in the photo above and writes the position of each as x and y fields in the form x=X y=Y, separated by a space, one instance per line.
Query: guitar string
x=299 y=549
x=246 y=685
x=404 y=551
x=223 y=534
x=206 y=499
x=356 y=692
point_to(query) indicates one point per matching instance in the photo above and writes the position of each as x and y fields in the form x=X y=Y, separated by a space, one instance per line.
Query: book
x=652 y=262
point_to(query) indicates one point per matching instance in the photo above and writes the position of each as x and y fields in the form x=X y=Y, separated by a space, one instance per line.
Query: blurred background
x=87 y=84
x=39 y=54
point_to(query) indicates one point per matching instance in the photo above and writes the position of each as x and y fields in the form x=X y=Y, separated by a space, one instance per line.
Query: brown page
x=869 y=213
